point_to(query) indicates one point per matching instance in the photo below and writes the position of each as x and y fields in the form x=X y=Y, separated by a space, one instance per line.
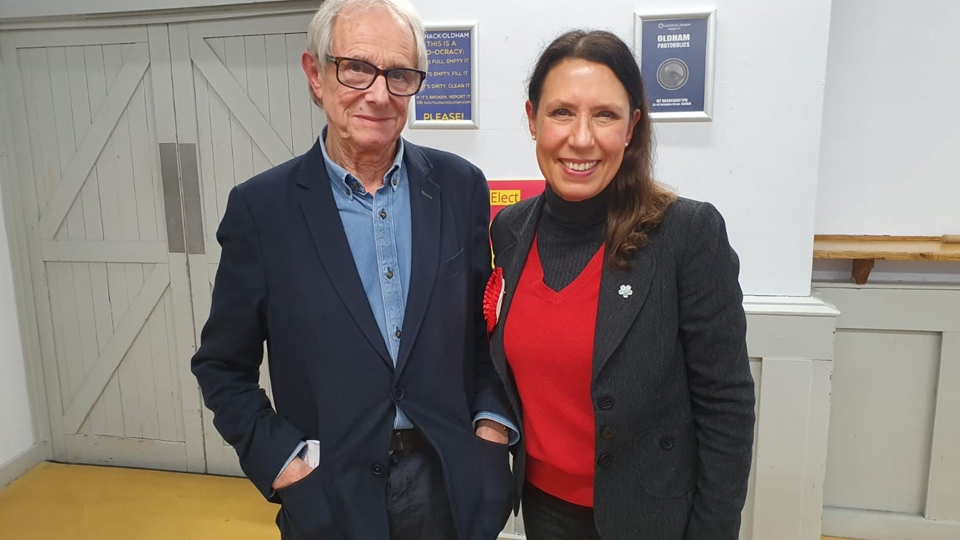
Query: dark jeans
x=417 y=502
x=546 y=517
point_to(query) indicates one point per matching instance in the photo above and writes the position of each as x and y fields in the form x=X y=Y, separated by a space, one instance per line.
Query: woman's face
x=582 y=126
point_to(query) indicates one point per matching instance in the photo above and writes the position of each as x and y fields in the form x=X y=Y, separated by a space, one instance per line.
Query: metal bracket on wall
x=173 y=211
x=192 y=203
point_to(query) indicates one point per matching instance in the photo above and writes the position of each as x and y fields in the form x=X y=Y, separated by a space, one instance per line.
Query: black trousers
x=546 y=517
x=417 y=502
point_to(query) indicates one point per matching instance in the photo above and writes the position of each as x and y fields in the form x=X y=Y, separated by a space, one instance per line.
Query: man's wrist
x=486 y=422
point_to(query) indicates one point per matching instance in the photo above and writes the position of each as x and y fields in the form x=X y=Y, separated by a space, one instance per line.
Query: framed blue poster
x=448 y=98
x=675 y=53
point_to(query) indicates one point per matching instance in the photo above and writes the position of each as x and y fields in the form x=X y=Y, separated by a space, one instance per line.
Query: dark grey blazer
x=672 y=390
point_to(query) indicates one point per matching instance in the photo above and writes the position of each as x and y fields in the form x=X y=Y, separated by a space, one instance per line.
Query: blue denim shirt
x=378 y=228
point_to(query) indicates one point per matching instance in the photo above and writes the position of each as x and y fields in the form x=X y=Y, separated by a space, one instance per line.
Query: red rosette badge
x=493 y=299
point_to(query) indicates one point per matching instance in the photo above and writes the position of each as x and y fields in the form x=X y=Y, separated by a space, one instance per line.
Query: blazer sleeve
x=227 y=364
x=489 y=395
x=713 y=336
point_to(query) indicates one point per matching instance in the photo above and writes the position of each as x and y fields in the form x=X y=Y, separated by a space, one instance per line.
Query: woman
x=621 y=334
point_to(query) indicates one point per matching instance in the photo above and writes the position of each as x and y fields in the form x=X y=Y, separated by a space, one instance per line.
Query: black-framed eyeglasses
x=360 y=75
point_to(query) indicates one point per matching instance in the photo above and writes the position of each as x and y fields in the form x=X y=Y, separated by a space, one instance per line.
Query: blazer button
x=605 y=402
x=378 y=469
x=608 y=432
x=666 y=442
x=605 y=460
x=398 y=394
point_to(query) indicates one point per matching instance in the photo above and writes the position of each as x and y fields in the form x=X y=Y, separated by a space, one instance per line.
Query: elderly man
x=362 y=264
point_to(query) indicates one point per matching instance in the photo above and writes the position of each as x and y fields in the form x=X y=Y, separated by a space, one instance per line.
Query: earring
x=626 y=144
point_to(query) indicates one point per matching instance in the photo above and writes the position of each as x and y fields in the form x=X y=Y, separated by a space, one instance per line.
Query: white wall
x=16 y=431
x=757 y=161
x=890 y=157
x=46 y=8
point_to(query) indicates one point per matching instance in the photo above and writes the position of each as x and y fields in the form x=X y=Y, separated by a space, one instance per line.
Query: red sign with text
x=506 y=192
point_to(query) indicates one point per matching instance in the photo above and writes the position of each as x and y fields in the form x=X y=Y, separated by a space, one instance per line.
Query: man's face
x=362 y=121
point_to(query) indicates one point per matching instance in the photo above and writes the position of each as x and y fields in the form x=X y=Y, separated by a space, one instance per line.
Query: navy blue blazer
x=287 y=278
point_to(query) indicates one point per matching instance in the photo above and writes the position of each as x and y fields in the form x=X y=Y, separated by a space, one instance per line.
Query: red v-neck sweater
x=548 y=340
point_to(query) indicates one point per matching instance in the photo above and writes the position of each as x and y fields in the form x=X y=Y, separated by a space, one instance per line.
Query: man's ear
x=531 y=120
x=312 y=70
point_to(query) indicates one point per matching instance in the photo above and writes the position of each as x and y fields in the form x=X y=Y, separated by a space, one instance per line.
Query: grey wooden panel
x=279 y=97
x=18 y=84
x=244 y=124
x=895 y=308
x=747 y=516
x=192 y=199
x=105 y=195
x=173 y=208
x=140 y=453
x=255 y=52
x=874 y=525
x=105 y=418
x=884 y=391
x=173 y=82
x=111 y=402
x=300 y=101
x=943 y=491
x=793 y=411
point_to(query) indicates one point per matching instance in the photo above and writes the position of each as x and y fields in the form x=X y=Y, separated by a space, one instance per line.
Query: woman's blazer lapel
x=622 y=295
x=622 y=292
x=510 y=256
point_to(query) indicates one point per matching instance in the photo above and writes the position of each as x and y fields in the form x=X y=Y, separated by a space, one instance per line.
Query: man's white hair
x=320 y=33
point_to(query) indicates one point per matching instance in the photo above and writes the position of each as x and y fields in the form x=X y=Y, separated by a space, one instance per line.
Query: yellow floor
x=75 y=502
x=79 y=502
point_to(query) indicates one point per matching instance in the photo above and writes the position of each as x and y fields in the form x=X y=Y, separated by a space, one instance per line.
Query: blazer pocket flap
x=450 y=266
x=668 y=459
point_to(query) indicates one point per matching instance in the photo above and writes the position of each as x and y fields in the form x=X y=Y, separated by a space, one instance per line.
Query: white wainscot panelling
x=893 y=466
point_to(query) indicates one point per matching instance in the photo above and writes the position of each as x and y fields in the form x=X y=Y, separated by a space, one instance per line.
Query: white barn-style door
x=98 y=172
x=242 y=106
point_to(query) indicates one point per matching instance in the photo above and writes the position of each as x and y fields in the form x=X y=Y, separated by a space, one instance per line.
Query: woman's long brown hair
x=637 y=201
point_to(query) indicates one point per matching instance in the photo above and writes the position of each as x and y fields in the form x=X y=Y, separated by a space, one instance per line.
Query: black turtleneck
x=569 y=235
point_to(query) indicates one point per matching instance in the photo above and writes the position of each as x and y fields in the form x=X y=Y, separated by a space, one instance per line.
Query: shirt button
x=398 y=394
x=608 y=432
x=605 y=402
x=378 y=469
x=389 y=274
x=394 y=182
x=605 y=460
x=666 y=442
x=383 y=214
x=398 y=333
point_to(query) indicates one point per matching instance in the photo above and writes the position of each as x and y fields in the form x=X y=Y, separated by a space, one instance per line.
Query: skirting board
x=26 y=460
x=790 y=327
x=873 y=525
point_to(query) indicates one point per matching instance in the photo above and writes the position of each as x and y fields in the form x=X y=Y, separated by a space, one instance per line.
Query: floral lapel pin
x=625 y=291
x=493 y=299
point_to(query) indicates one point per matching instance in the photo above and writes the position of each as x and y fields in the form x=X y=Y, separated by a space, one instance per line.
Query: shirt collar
x=341 y=178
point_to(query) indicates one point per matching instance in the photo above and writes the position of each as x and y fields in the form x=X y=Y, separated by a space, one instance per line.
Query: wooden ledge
x=865 y=250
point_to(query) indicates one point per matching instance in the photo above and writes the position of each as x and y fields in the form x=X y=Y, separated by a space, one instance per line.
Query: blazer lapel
x=511 y=259
x=425 y=209
x=323 y=219
x=622 y=294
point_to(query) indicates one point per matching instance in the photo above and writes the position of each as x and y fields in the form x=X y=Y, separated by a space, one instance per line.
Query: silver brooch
x=625 y=291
